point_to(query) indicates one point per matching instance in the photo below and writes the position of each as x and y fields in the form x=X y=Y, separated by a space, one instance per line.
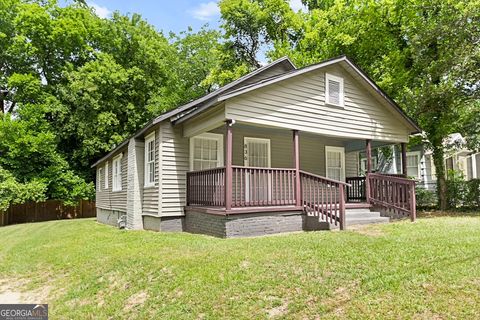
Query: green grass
x=428 y=269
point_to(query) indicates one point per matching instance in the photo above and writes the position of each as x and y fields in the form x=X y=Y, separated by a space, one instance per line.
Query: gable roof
x=297 y=72
x=242 y=85
x=205 y=100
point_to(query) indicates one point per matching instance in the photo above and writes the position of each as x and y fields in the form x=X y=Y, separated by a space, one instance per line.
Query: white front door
x=257 y=154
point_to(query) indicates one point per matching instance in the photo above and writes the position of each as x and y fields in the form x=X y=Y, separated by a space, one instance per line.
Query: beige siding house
x=280 y=149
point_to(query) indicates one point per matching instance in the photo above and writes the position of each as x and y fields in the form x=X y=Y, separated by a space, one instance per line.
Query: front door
x=257 y=183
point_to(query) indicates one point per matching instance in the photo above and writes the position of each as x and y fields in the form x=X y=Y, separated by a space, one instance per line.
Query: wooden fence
x=46 y=211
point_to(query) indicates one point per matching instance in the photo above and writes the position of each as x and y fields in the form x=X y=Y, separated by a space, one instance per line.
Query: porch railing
x=392 y=193
x=356 y=190
x=324 y=198
x=252 y=187
x=206 y=187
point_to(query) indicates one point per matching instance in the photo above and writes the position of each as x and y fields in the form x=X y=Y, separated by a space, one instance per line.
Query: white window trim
x=246 y=139
x=335 y=149
x=99 y=178
x=148 y=139
x=419 y=165
x=374 y=164
x=328 y=77
x=105 y=186
x=211 y=136
x=118 y=159
x=474 y=166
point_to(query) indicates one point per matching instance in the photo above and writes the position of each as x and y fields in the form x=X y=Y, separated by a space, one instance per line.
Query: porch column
x=228 y=164
x=296 y=165
x=368 y=150
x=404 y=159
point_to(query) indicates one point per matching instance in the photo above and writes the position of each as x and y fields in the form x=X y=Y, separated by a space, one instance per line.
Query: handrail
x=261 y=168
x=205 y=170
x=324 y=198
x=325 y=178
x=393 y=194
x=392 y=178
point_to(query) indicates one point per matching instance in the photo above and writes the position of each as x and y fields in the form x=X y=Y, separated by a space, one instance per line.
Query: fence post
x=341 y=189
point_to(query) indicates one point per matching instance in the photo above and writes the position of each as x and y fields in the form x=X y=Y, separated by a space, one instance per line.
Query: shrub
x=425 y=198
x=461 y=193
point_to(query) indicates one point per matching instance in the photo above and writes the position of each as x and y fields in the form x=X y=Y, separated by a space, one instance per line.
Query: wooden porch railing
x=253 y=187
x=393 y=193
x=324 y=198
x=356 y=191
x=206 y=187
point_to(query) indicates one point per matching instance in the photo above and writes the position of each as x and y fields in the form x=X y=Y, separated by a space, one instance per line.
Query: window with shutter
x=334 y=90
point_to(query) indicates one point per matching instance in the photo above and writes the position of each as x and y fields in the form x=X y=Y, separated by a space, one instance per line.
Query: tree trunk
x=438 y=161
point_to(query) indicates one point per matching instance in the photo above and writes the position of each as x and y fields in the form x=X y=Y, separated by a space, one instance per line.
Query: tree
x=425 y=55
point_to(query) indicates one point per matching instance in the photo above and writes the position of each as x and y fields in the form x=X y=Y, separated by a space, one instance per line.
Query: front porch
x=240 y=190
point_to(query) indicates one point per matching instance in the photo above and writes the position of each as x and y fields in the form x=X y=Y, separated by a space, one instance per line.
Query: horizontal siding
x=105 y=198
x=174 y=166
x=150 y=194
x=312 y=148
x=299 y=103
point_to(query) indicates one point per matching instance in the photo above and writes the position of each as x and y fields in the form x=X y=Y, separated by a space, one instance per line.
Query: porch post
x=368 y=150
x=296 y=165
x=404 y=159
x=228 y=164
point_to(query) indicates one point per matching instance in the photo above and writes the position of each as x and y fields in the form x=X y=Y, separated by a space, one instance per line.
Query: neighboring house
x=269 y=152
x=420 y=164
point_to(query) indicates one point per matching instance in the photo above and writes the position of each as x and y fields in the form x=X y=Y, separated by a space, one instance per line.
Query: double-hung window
x=106 y=176
x=206 y=151
x=413 y=164
x=117 y=173
x=334 y=94
x=99 y=178
x=150 y=160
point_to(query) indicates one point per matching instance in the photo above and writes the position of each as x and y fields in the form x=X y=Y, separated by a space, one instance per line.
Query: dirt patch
x=15 y=291
x=279 y=311
x=135 y=300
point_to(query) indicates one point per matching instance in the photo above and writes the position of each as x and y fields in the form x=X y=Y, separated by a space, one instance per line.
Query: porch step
x=363 y=215
x=351 y=221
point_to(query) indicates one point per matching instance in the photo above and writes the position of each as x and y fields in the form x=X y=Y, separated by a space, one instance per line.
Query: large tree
x=73 y=85
x=424 y=54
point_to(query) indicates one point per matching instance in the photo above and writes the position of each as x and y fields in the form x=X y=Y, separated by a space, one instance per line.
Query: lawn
x=429 y=269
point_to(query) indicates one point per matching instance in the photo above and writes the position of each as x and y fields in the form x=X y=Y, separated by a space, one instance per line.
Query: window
x=150 y=160
x=363 y=165
x=106 y=176
x=206 y=151
x=333 y=90
x=117 y=173
x=413 y=164
x=335 y=163
x=99 y=178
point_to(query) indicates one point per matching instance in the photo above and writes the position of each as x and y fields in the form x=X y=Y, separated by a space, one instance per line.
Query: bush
x=425 y=198
x=461 y=193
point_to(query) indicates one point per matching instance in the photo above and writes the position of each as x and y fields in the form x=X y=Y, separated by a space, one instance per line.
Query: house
x=420 y=166
x=276 y=150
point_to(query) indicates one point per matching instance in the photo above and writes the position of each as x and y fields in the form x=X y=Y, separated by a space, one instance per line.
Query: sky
x=166 y=15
